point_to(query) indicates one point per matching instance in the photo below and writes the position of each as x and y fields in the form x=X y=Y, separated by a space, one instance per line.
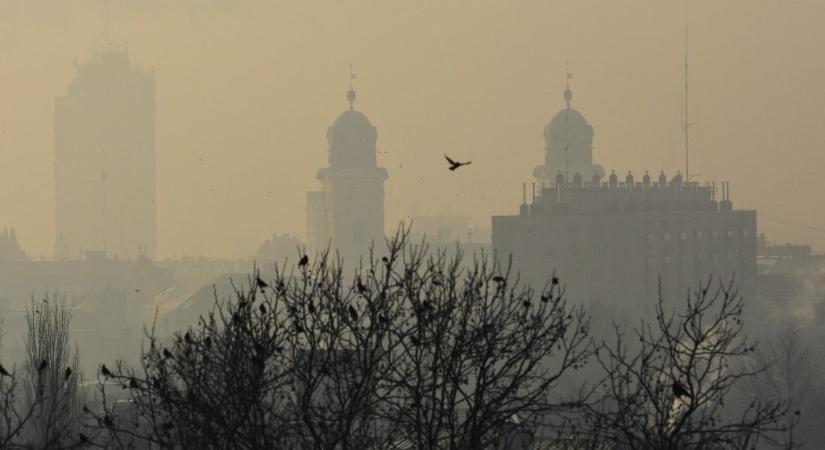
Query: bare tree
x=413 y=348
x=793 y=375
x=666 y=383
x=51 y=375
x=476 y=355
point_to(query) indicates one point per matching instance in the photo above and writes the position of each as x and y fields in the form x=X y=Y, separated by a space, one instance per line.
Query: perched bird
x=68 y=373
x=187 y=337
x=207 y=342
x=261 y=283
x=311 y=308
x=107 y=420
x=554 y=281
x=43 y=366
x=385 y=260
x=304 y=261
x=133 y=383
x=83 y=438
x=414 y=341
x=353 y=314
x=499 y=279
x=526 y=303
x=262 y=308
x=456 y=164
x=679 y=390
x=4 y=372
x=105 y=371
x=545 y=298
x=360 y=286
x=167 y=354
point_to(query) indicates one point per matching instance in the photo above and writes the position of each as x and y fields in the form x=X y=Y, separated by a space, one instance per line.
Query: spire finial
x=568 y=94
x=351 y=91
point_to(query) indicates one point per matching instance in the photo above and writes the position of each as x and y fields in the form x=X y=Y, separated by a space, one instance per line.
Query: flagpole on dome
x=351 y=91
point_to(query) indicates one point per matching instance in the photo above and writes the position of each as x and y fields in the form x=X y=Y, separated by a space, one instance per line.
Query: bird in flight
x=456 y=164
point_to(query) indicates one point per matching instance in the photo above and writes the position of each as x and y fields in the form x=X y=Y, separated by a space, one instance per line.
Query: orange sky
x=246 y=90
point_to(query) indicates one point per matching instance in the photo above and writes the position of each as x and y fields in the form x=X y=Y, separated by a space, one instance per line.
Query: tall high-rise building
x=105 y=160
x=347 y=215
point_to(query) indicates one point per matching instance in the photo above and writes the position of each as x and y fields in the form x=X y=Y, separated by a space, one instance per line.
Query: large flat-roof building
x=618 y=240
x=610 y=240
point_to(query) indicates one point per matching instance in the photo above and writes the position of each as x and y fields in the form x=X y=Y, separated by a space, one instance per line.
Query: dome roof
x=566 y=120
x=352 y=140
x=351 y=120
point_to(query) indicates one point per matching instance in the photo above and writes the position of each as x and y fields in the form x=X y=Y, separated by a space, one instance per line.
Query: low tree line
x=412 y=350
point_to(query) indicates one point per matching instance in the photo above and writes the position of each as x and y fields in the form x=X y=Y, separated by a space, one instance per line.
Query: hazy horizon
x=245 y=93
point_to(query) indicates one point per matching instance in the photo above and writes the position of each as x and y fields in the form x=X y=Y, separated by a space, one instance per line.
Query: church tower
x=568 y=145
x=348 y=213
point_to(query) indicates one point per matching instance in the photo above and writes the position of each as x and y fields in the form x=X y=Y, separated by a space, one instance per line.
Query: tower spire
x=686 y=123
x=351 y=91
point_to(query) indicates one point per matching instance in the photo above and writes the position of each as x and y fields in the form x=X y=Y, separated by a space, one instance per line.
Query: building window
x=683 y=235
x=667 y=236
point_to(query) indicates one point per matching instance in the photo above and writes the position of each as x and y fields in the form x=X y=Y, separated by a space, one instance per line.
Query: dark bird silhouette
x=456 y=164
x=545 y=298
x=554 y=281
x=187 y=337
x=4 y=372
x=526 y=303
x=105 y=371
x=385 y=260
x=353 y=314
x=83 y=438
x=107 y=420
x=311 y=308
x=68 y=373
x=167 y=354
x=304 y=261
x=360 y=286
x=133 y=383
x=414 y=340
x=679 y=390
x=261 y=283
x=208 y=341
x=262 y=308
x=499 y=279
x=43 y=366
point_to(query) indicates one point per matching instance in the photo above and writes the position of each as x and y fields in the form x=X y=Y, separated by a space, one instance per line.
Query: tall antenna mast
x=686 y=123
x=103 y=196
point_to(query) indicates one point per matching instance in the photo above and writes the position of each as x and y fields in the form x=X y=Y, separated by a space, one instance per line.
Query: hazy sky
x=247 y=89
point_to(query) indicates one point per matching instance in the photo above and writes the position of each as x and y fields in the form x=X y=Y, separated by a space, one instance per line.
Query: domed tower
x=348 y=213
x=568 y=145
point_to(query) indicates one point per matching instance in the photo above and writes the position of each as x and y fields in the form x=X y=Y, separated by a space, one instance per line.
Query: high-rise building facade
x=347 y=214
x=105 y=160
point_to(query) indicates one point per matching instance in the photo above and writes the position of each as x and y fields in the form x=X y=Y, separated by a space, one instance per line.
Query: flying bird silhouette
x=304 y=261
x=456 y=164
x=679 y=390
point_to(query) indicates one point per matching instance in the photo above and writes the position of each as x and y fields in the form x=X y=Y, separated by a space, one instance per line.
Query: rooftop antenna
x=686 y=123
x=107 y=37
x=103 y=196
x=351 y=91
